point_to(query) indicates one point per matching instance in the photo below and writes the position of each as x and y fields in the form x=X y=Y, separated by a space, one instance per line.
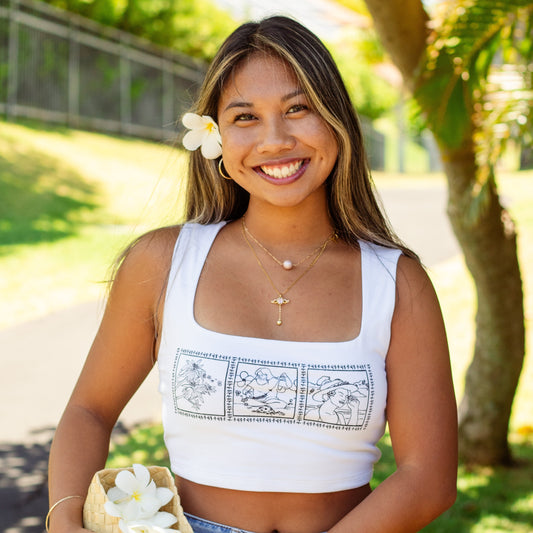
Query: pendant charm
x=287 y=264
x=279 y=301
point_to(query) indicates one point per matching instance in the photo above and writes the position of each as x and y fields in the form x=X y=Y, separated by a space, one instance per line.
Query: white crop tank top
x=254 y=414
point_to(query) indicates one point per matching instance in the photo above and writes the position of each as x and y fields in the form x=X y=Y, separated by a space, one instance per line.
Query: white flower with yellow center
x=135 y=495
x=160 y=523
x=203 y=133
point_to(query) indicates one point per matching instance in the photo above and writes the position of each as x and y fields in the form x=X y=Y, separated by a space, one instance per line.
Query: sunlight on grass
x=143 y=445
x=458 y=310
x=139 y=180
x=518 y=190
x=71 y=201
x=50 y=276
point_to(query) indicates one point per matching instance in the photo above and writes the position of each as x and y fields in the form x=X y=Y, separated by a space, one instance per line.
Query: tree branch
x=402 y=28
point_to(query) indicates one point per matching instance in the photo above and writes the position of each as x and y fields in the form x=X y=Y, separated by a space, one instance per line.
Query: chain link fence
x=59 y=67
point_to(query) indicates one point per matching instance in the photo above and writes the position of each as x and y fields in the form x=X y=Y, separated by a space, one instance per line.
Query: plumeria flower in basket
x=134 y=500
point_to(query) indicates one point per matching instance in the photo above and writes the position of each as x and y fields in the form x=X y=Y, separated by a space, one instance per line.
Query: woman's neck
x=301 y=226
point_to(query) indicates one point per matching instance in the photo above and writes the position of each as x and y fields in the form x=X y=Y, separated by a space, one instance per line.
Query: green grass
x=71 y=200
x=143 y=445
x=489 y=499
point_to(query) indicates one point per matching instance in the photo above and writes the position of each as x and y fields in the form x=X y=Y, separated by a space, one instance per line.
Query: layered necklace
x=281 y=300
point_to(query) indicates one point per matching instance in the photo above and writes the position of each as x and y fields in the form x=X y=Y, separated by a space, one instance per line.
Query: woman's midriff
x=269 y=512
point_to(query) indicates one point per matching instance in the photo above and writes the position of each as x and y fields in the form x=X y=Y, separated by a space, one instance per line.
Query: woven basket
x=96 y=519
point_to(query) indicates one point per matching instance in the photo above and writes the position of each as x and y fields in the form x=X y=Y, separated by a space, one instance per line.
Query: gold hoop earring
x=221 y=172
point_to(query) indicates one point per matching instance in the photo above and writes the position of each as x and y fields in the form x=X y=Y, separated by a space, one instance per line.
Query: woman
x=287 y=270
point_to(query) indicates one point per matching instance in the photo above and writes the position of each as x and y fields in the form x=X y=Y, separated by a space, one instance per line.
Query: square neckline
x=262 y=340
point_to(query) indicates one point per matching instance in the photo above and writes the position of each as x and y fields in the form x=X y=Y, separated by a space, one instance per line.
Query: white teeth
x=282 y=172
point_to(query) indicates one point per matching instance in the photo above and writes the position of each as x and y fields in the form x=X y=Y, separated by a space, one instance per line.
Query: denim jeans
x=201 y=525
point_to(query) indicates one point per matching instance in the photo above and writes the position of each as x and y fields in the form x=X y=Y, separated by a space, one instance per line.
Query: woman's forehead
x=259 y=75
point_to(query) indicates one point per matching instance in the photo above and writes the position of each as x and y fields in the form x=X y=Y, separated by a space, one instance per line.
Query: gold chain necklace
x=280 y=300
x=287 y=264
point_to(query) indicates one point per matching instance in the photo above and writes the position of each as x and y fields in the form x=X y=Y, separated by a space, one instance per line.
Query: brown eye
x=297 y=108
x=243 y=117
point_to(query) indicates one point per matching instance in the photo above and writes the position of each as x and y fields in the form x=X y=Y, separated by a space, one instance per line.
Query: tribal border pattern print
x=215 y=386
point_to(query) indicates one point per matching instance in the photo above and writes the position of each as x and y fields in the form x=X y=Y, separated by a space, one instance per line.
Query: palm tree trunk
x=487 y=237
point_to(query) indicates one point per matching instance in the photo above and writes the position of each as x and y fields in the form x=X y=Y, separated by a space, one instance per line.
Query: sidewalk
x=41 y=360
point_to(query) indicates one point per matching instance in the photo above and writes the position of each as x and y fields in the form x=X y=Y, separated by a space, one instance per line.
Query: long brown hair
x=353 y=207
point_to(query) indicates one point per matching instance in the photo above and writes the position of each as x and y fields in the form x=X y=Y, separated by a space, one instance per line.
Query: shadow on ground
x=24 y=481
x=23 y=490
x=43 y=199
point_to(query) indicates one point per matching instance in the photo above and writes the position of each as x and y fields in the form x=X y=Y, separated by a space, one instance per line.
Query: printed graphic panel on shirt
x=338 y=397
x=265 y=390
x=216 y=386
x=194 y=385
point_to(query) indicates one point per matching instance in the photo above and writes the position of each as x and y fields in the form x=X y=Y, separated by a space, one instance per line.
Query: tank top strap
x=190 y=252
x=378 y=267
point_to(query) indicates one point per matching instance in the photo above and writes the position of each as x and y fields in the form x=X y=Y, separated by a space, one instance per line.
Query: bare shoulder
x=417 y=326
x=150 y=253
x=414 y=288
x=144 y=265
x=421 y=408
x=411 y=276
x=417 y=329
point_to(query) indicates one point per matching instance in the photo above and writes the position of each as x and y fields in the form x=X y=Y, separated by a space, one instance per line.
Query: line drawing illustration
x=265 y=390
x=337 y=401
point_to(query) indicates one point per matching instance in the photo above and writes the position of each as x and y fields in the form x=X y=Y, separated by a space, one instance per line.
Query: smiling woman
x=288 y=322
x=271 y=132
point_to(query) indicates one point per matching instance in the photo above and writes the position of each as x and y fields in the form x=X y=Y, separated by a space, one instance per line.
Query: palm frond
x=467 y=40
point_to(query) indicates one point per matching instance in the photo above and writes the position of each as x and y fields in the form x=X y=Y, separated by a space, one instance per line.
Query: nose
x=275 y=136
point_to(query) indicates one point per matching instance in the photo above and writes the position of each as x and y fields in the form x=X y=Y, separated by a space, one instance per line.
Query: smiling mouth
x=282 y=171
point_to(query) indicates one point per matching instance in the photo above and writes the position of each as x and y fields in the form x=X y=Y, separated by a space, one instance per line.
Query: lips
x=283 y=171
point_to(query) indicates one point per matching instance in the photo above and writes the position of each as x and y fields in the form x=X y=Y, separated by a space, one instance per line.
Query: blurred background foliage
x=182 y=25
x=359 y=57
x=178 y=24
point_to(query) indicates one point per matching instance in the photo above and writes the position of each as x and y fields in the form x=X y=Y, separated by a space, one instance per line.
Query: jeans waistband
x=201 y=525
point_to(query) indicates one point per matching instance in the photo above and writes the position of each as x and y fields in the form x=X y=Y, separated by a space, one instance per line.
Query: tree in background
x=183 y=25
x=447 y=62
x=359 y=58
x=359 y=55
x=178 y=24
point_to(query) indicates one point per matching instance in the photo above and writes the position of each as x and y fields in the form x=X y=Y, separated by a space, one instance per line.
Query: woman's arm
x=421 y=413
x=119 y=360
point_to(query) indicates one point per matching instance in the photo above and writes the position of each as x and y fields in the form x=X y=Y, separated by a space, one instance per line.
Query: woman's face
x=274 y=144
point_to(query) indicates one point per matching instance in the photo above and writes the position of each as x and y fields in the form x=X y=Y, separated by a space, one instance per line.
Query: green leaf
x=468 y=41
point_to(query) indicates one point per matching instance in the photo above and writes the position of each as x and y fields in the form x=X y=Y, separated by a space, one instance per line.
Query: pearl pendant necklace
x=281 y=300
x=286 y=264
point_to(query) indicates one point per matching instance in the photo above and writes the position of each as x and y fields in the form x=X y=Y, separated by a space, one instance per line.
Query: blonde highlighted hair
x=353 y=208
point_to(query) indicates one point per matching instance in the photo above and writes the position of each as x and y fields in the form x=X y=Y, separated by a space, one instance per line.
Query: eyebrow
x=250 y=104
x=297 y=92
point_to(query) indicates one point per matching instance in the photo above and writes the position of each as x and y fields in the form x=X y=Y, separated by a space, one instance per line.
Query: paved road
x=418 y=215
x=41 y=360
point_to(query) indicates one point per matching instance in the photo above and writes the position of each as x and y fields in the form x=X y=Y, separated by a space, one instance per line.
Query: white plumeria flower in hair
x=204 y=133
x=135 y=496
